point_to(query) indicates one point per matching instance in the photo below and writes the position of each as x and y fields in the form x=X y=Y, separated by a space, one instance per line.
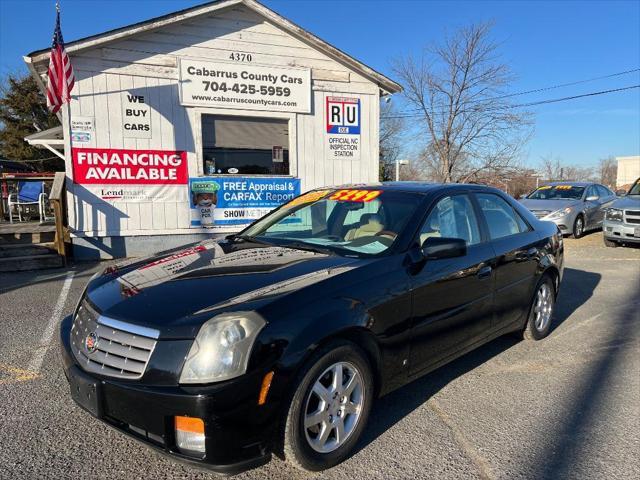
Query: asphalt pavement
x=564 y=407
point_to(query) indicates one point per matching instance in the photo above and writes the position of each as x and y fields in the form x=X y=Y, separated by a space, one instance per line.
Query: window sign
x=224 y=201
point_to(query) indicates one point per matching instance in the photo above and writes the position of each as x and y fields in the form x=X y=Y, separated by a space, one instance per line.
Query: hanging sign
x=136 y=116
x=342 y=120
x=239 y=86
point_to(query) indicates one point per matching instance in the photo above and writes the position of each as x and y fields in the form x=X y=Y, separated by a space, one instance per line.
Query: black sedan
x=278 y=339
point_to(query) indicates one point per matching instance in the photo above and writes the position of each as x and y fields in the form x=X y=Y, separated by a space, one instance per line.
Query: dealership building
x=201 y=121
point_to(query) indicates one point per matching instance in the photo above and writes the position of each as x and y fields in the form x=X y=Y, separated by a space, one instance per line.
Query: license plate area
x=85 y=391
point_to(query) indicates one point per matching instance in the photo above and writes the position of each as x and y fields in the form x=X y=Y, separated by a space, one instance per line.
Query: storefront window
x=245 y=145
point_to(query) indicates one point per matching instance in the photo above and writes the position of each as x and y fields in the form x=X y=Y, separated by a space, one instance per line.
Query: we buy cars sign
x=108 y=166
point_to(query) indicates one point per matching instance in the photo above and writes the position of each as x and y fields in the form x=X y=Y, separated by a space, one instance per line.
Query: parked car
x=279 y=338
x=622 y=219
x=575 y=207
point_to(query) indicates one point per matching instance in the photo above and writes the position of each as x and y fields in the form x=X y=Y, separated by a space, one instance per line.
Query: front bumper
x=238 y=431
x=621 y=232
x=564 y=223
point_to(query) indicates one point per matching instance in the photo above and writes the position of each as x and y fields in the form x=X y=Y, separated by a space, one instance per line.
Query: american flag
x=61 y=79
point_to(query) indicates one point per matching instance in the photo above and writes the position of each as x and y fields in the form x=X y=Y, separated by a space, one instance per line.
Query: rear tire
x=327 y=416
x=541 y=311
x=578 y=227
x=610 y=243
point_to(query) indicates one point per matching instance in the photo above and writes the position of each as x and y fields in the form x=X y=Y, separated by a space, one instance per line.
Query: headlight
x=560 y=213
x=222 y=347
x=614 y=214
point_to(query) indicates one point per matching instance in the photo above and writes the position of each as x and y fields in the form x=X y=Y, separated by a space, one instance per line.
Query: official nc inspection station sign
x=224 y=201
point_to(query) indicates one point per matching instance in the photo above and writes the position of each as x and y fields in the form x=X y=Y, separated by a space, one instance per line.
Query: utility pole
x=398 y=163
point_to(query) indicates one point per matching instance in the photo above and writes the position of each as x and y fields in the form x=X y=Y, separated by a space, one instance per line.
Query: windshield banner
x=225 y=201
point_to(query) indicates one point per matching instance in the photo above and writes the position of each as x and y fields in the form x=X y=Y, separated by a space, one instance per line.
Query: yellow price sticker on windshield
x=355 y=195
x=546 y=187
x=309 y=197
x=564 y=187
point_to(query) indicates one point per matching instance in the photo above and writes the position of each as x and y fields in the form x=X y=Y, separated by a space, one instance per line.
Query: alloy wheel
x=543 y=307
x=579 y=226
x=333 y=407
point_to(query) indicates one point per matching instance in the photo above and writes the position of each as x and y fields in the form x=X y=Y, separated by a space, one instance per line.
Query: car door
x=591 y=208
x=516 y=247
x=451 y=298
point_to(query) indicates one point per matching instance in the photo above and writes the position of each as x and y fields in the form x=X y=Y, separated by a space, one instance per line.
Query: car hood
x=629 y=201
x=176 y=291
x=550 y=205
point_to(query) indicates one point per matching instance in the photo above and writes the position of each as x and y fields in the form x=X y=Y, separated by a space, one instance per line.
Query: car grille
x=118 y=349
x=541 y=213
x=632 y=216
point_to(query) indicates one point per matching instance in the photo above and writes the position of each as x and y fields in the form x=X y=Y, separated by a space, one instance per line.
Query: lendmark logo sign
x=99 y=166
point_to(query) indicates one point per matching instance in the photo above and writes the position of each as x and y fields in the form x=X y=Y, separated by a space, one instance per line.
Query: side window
x=591 y=191
x=602 y=191
x=502 y=219
x=452 y=217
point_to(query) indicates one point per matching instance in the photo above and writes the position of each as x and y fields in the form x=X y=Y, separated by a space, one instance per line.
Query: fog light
x=190 y=435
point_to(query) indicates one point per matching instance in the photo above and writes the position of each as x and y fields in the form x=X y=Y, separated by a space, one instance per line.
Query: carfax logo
x=343 y=115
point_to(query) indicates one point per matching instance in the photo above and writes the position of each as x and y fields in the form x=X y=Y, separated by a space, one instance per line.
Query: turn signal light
x=190 y=435
x=264 y=390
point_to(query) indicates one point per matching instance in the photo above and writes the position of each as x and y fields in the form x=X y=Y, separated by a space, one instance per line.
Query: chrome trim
x=128 y=327
x=122 y=350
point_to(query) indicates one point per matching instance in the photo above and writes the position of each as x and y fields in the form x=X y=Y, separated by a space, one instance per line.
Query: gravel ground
x=565 y=407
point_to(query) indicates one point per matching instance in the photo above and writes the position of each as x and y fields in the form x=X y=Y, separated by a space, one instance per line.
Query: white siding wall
x=148 y=63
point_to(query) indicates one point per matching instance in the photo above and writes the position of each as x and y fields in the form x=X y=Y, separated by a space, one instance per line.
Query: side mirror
x=523 y=196
x=435 y=248
x=621 y=192
x=592 y=198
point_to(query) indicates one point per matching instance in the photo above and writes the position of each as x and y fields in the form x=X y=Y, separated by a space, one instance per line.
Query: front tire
x=578 y=227
x=329 y=409
x=541 y=311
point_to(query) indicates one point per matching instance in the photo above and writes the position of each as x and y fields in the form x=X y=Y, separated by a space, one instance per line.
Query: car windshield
x=358 y=223
x=635 y=188
x=553 y=192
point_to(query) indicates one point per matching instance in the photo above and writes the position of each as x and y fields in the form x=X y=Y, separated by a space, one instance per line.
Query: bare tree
x=458 y=92
x=392 y=129
x=608 y=172
x=554 y=169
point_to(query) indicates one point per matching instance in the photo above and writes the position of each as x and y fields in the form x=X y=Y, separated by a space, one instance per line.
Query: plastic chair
x=29 y=193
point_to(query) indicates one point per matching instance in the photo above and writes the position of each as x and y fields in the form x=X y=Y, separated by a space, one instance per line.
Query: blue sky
x=545 y=42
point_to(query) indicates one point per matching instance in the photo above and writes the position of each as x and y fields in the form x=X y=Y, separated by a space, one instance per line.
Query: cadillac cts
x=278 y=339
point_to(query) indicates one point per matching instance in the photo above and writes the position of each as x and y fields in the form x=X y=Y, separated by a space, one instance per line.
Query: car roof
x=575 y=184
x=415 y=187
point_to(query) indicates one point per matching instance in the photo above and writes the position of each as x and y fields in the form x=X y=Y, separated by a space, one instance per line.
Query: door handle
x=484 y=272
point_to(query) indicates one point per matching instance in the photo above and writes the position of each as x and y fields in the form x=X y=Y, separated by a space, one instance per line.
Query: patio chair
x=29 y=193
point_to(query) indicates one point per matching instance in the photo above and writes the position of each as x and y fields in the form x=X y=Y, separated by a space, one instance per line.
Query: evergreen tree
x=23 y=111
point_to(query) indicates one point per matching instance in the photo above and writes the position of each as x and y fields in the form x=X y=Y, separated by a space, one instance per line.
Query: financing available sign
x=110 y=166
x=241 y=86
x=132 y=176
x=223 y=201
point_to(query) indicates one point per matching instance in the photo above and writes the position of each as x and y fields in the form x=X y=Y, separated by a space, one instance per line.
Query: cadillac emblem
x=91 y=342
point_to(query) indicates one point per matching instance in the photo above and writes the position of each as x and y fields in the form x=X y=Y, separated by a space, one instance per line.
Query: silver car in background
x=622 y=219
x=576 y=207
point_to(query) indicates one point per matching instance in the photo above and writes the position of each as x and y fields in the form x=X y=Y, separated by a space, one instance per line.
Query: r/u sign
x=343 y=115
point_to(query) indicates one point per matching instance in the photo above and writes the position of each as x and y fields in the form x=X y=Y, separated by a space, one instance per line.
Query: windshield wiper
x=249 y=238
x=308 y=247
